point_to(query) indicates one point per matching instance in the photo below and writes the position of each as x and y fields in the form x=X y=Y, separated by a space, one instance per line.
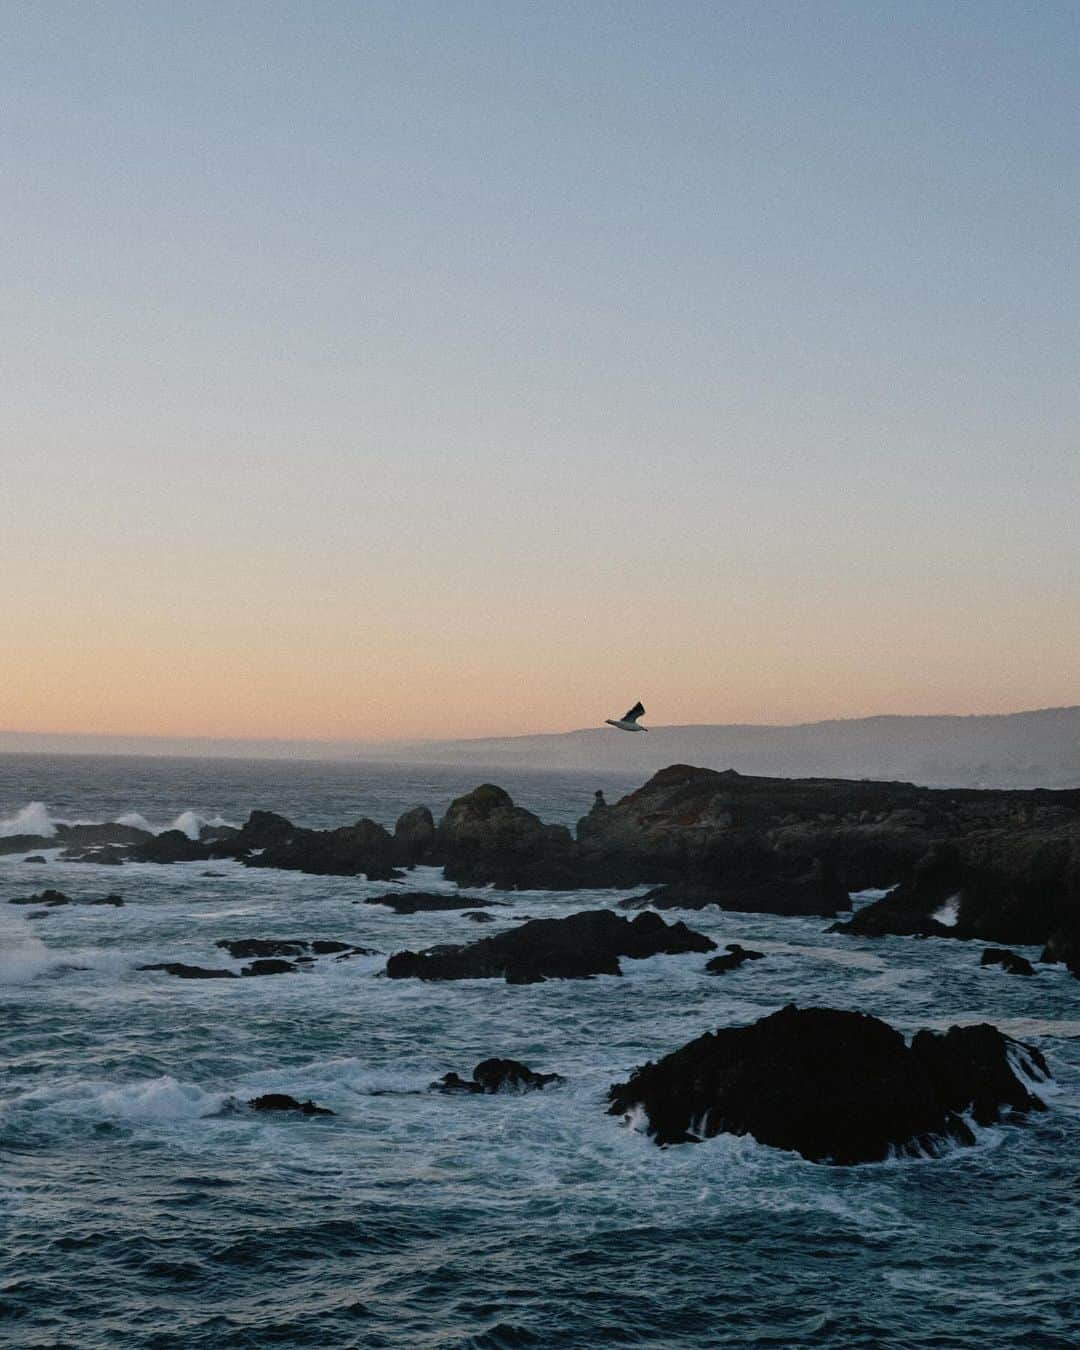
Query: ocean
x=141 y=1205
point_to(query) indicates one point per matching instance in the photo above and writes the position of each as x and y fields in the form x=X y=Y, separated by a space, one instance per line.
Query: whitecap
x=33 y=818
x=23 y=955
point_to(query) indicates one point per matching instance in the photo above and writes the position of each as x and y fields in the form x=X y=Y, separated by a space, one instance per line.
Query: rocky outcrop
x=733 y=958
x=279 y=1101
x=497 y=1075
x=262 y=829
x=364 y=849
x=574 y=948
x=1010 y=962
x=839 y=1087
x=1015 y=882
x=75 y=837
x=423 y=902
x=485 y=839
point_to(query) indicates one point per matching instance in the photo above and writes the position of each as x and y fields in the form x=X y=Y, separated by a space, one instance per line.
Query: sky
x=390 y=370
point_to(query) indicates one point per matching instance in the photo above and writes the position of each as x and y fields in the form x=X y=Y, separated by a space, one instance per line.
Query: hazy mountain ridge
x=1026 y=749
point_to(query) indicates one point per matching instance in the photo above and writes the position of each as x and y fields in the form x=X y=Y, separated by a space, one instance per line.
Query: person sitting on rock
x=598 y=800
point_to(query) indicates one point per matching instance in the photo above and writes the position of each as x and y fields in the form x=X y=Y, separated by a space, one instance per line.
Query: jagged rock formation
x=589 y=943
x=836 y=1087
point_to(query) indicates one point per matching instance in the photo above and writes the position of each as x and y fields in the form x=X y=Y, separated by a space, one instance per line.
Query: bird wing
x=635 y=712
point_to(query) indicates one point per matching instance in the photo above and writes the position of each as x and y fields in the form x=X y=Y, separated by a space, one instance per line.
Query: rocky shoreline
x=993 y=865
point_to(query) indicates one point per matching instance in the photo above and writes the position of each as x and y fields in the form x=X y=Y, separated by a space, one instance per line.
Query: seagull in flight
x=628 y=721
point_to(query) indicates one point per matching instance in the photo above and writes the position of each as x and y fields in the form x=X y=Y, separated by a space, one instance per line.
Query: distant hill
x=1027 y=749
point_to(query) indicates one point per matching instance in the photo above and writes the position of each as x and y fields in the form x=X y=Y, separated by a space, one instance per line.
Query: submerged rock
x=185 y=972
x=423 y=902
x=49 y=898
x=839 y=1087
x=478 y=916
x=589 y=943
x=497 y=1075
x=1010 y=962
x=52 y=899
x=35 y=858
x=735 y=956
x=280 y=1101
x=242 y=949
x=268 y=966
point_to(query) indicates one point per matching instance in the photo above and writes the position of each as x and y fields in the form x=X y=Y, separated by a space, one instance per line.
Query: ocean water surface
x=142 y=1206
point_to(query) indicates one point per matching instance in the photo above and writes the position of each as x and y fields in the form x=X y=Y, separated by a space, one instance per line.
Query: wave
x=35 y=818
x=23 y=955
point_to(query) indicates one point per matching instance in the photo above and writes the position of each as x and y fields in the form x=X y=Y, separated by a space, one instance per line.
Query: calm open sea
x=140 y=1208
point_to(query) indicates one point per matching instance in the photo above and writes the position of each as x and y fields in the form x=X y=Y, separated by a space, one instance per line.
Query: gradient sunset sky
x=389 y=370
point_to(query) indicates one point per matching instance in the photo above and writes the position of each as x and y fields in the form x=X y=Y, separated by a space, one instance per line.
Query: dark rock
x=502 y=1075
x=35 y=858
x=837 y=1087
x=24 y=843
x=1012 y=963
x=758 y=885
x=420 y=902
x=279 y=1101
x=115 y=900
x=453 y=1082
x=263 y=829
x=1064 y=945
x=736 y=955
x=171 y=846
x=211 y=874
x=497 y=1075
x=104 y=855
x=218 y=834
x=975 y=1069
x=49 y=898
x=190 y=972
x=485 y=839
x=478 y=916
x=243 y=949
x=96 y=836
x=414 y=837
x=272 y=966
x=363 y=849
x=589 y=943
